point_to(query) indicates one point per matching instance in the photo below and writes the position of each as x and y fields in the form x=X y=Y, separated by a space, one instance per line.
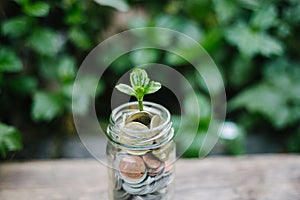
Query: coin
x=156 y=120
x=132 y=169
x=151 y=161
x=162 y=153
x=140 y=116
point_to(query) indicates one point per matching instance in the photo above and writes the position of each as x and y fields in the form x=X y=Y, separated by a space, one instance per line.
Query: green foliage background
x=253 y=42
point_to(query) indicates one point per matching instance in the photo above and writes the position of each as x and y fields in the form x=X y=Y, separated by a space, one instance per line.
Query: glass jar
x=140 y=152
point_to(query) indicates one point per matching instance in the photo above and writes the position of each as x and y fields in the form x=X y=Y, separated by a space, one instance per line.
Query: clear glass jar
x=140 y=159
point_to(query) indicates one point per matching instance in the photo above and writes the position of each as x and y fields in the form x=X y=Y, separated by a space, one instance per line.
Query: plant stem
x=141 y=104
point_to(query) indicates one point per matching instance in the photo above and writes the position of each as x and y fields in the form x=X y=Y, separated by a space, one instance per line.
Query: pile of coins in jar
x=142 y=174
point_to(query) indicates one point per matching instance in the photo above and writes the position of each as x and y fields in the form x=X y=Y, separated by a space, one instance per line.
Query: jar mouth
x=140 y=139
x=133 y=107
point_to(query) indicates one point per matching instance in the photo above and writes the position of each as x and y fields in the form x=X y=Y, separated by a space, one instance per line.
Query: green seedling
x=140 y=86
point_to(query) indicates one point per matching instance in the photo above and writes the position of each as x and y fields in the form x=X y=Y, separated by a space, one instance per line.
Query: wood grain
x=267 y=177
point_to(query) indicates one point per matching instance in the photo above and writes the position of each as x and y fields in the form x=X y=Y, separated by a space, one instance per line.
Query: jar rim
x=146 y=103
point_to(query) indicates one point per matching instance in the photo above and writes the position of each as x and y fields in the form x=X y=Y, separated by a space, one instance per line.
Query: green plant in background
x=252 y=42
x=10 y=139
x=140 y=86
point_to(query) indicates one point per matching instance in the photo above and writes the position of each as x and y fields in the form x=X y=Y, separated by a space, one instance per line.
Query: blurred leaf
x=183 y=25
x=120 y=5
x=15 y=27
x=23 y=84
x=80 y=38
x=291 y=13
x=251 y=4
x=173 y=59
x=10 y=139
x=266 y=100
x=46 y=42
x=265 y=17
x=9 y=61
x=46 y=106
x=191 y=109
x=241 y=71
x=66 y=69
x=251 y=42
x=47 y=68
x=285 y=76
x=225 y=10
x=82 y=95
x=144 y=56
x=37 y=9
x=121 y=64
x=213 y=39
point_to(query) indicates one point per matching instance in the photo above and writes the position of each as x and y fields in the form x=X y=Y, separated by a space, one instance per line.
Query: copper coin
x=151 y=161
x=132 y=167
x=169 y=166
x=157 y=171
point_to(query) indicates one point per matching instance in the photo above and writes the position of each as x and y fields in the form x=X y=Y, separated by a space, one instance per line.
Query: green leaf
x=120 y=5
x=10 y=139
x=46 y=42
x=15 y=27
x=266 y=100
x=265 y=18
x=9 y=61
x=138 y=77
x=152 y=87
x=37 y=9
x=23 y=84
x=250 y=42
x=225 y=10
x=66 y=69
x=144 y=56
x=173 y=59
x=46 y=106
x=80 y=38
x=83 y=94
x=125 y=89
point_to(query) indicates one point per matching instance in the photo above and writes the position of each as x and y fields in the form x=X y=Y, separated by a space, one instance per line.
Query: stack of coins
x=142 y=174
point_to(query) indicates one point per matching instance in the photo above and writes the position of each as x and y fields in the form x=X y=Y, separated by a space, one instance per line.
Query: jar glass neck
x=150 y=138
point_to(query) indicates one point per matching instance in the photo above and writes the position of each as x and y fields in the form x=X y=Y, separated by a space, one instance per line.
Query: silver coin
x=140 y=116
x=156 y=120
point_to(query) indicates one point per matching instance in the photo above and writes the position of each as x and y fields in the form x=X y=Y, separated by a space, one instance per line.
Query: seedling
x=140 y=86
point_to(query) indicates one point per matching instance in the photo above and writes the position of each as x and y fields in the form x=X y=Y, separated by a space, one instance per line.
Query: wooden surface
x=269 y=177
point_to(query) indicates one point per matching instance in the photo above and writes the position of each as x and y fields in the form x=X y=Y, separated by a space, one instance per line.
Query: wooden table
x=266 y=177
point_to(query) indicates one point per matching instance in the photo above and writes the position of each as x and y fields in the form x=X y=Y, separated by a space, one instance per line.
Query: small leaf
x=80 y=38
x=139 y=77
x=10 y=139
x=23 y=84
x=46 y=42
x=250 y=42
x=144 y=56
x=152 y=87
x=225 y=10
x=66 y=69
x=87 y=87
x=15 y=27
x=46 y=106
x=37 y=9
x=120 y=5
x=9 y=61
x=125 y=89
x=265 y=17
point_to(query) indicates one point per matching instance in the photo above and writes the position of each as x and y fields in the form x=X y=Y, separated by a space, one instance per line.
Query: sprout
x=140 y=85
